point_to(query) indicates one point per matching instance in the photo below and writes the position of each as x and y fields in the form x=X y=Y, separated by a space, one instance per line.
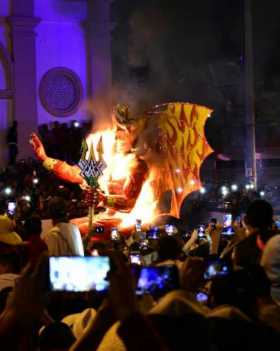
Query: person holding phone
x=64 y=238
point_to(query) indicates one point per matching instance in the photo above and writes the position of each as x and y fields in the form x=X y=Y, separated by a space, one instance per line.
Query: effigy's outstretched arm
x=125 y=202
x=61 y=169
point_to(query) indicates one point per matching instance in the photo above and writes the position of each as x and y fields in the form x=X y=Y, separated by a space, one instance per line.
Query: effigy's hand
x=94 y=196
x=37 y=147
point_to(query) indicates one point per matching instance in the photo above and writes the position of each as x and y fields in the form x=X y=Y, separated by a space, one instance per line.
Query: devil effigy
x=126 y=169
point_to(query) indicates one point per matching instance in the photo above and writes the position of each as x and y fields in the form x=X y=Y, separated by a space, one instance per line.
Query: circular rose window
x=60 y=91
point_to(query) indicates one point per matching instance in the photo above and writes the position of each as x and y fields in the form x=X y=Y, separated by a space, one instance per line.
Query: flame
x=118 y=168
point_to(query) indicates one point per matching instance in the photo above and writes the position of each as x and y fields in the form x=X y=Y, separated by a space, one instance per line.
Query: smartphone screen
x=157 y=280
x=138 y=225
x=228 y=229
x=11 y=208
x=135 y=259
x=201 y=231
x=277 y=224
x=115 y=234
x=201 y=297
x=169 y=229
x=216 y=268
x=227 y=220
x=153 y=233
x=78 y=274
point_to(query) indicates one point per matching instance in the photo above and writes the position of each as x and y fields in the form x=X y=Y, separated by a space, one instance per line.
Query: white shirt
x=64 y=239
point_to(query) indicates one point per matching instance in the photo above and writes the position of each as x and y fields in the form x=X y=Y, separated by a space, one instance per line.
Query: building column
x=99 y=65
x=25 y=89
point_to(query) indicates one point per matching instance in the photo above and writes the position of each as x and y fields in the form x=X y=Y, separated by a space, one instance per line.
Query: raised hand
x=121 y=293
x=37 y=147
x=26 y=301
x=191 y=274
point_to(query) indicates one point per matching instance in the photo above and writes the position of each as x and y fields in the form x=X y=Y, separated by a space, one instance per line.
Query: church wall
x=4 y=8
x=60 y=42
x=5 y=104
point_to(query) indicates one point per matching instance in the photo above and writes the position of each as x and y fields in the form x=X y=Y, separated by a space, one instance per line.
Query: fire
x=118 y=167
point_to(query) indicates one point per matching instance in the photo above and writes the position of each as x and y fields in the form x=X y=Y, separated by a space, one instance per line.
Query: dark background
x=193 y=51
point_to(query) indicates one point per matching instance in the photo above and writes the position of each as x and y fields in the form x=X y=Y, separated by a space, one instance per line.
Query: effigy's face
x=124 y=135
x=124 y=140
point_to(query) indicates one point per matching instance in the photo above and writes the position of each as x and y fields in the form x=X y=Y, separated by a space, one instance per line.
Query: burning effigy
x=127 y=168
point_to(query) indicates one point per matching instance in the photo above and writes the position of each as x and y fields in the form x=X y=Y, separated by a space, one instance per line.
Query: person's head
x=33 y=226
x=259 y=215
x=23 y=209
x=58 y=210
x=241 y=288
x=259 y=218
x=10 y=262
x=168 y=248
x=56 y=336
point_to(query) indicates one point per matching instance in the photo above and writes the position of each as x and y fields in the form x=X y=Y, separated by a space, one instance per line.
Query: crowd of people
x=59 y=137
x=210 y=286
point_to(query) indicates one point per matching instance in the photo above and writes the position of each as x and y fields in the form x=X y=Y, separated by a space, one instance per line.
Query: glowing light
x=179 y=190
x=76 y=124
x=8 y=191
x=27 y=198
x=247 y=186
x=234 y=187
x=192 y=182
x=202 y=190
x=252 y=186
x=35 y=181
x=177 y=170
x=224 y=190
x=262 y=193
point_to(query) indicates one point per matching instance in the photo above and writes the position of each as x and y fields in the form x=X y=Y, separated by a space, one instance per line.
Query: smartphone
x=11 y=208
x=201 y=297
x=228 y=220
x=201 y=231
x=115 y=234
x=157 y=280
x=216 y=268
x=135 y=259
x=169 y=229
x=138 y=225
x=153 y=233
x=79 y=274
x=277 y=224
x=144 y=244
x=228 y=229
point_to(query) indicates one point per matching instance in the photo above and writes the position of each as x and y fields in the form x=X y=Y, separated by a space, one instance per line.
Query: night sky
x=194 y=51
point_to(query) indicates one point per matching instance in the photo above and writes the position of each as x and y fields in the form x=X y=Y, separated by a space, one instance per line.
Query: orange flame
x=118 y=168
